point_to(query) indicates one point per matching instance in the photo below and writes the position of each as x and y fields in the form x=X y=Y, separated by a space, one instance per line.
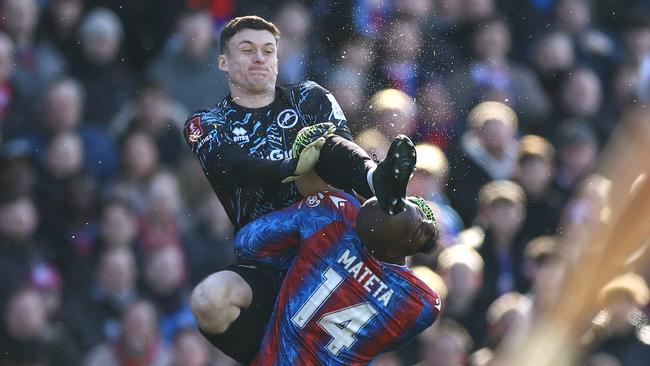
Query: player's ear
x=222 y=62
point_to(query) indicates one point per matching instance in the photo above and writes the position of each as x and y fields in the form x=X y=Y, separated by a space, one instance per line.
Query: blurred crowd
x=107 y=222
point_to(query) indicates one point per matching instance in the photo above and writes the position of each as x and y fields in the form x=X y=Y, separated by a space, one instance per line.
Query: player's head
x=248 y=47
x=411 y=231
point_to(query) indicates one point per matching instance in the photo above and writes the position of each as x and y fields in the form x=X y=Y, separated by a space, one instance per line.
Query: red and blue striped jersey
x=338 y=305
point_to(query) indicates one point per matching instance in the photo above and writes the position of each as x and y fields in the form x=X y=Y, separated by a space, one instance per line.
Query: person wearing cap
x=577 y=153
x=545 y=269
x=498 y=238
x=487 y=151
x=622 y=329
x=535 y=172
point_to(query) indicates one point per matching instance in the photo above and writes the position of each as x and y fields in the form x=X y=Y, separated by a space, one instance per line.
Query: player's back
x=339 y=305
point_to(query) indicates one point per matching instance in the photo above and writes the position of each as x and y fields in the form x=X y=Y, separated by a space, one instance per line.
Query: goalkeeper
x=252 y=146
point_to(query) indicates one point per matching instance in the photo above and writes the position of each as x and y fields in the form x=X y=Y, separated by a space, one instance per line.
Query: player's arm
x=319 y=105
x=205 y=133
x=274 y=238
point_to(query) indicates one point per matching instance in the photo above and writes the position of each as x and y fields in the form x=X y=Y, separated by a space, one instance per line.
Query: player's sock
x=345 y=165
x=371 y=171
x=393 y=174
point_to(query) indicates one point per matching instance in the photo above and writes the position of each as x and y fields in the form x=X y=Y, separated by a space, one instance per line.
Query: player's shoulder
x=338 y=202
x=341 y=201
x=210 y=114
x=332 y=198
x=424 y=286
x=307 y=87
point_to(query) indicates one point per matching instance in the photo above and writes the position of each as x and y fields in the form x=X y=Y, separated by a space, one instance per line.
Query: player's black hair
x=246 y=22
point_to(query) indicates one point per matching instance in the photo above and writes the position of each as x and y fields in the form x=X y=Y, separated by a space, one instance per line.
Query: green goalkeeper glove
x=306 y=147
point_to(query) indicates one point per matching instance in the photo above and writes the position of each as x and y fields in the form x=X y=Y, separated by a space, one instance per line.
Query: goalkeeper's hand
x=306 y=147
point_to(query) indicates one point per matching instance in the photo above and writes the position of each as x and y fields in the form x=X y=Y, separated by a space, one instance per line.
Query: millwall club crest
x=194 y=130
x=287 y=118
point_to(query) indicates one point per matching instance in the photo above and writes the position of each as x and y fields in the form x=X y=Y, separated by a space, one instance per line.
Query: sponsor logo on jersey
x=278 y=154
x=338 y=202
x=313 y=201
x=287 y=118
x=207 y=138
x=194 y=130
x=241 y=135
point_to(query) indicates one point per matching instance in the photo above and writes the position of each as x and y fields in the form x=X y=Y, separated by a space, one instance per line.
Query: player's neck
x=391 y=258
x=252 y=100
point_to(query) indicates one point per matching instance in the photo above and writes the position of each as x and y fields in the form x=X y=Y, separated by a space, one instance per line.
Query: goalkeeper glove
x=306 y=147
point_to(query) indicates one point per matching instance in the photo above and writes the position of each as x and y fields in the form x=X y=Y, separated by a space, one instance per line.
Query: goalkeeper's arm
x=245 y=170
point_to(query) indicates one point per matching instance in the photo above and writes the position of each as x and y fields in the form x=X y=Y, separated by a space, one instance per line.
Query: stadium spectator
x=94 y=314
x=461 y=267
x=157 y=114
x=498 y=238
x=577 y=150
x=59 y=25
x=212 y=247
x=191 y=349
x=64 y=104
x=165 y=278
x=21 y=249
x=398 y=63
x=545 y=270
x=510 y=313
x=37 y=63
x=294 y=19
x=393 y=112
x=492 y=75
x=535 y=172
x=15 y=108
x=487 y=151
x=581 y=95
x=107 y=79
x=621 y=330
x=594 y=47
x=444 y=344
x=30 y=338
x=187 y=67
x=438 y=121
x=429 y=182
x=138 y=343
x=552 y=58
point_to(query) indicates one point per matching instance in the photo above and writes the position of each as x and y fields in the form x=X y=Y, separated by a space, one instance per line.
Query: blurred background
x=107 y=222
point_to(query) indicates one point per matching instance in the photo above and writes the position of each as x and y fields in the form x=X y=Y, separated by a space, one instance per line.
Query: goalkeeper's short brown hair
x=246 y=22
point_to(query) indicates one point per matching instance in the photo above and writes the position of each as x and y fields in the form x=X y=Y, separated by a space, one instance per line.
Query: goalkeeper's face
x=251 y=61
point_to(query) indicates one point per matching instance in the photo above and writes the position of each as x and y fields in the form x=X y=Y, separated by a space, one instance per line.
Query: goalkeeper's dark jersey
x=241 y=149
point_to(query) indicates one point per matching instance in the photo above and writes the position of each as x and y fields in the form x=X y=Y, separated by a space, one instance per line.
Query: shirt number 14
x=341 y=324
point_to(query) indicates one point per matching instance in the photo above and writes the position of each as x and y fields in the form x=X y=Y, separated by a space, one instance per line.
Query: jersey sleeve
x=317 y=105
x=207 y=135
x=274 y=238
